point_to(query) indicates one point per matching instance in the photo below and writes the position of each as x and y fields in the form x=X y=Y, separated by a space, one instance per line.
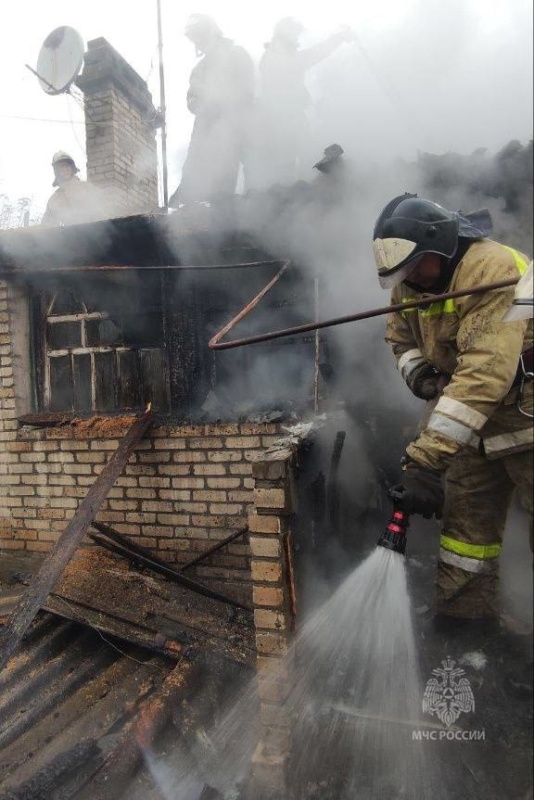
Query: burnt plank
x=104 y=582
x=190 y=366
x=154 y=378
x=55 y=562
x=81 y=371
x=138 y=734
x=105 y=381
x=112 y=625
x=61 y=394
x=129 y=383
x=38 y=305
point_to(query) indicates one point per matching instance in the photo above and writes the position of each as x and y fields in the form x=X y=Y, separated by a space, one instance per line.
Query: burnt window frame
x=117 y=399
x=193 y=305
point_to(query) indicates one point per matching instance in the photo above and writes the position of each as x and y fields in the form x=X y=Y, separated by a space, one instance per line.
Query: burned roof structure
x=122 y=311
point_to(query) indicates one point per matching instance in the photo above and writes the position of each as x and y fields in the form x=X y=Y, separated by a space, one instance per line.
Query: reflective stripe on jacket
x=468 y=339
x=470 y=557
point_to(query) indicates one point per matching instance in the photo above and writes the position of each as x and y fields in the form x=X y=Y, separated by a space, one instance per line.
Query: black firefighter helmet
x=407 y=228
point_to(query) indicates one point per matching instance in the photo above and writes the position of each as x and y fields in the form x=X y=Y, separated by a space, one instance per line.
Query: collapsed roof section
x=204 y=237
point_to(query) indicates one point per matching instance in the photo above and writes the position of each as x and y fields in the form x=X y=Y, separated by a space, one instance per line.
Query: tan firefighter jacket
x=468 y=339
x=76 y=201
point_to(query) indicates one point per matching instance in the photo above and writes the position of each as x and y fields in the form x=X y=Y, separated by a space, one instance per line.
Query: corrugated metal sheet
x=61 y=700
x=76 y=708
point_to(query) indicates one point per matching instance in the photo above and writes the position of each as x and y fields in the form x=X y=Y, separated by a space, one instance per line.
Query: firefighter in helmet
x=476 y=368
x=220 y=95
x=74 y=200
x=283 y=141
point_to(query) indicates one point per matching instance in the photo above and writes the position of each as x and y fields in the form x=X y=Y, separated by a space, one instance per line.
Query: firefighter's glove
x=421 y=491
x=425 y=381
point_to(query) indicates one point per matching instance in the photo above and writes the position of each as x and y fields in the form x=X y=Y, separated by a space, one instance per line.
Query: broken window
x=103 y=350
x=115 y=340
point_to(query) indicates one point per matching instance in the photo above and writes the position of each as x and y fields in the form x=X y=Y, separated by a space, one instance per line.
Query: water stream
x=353 y=697
x=356 y=694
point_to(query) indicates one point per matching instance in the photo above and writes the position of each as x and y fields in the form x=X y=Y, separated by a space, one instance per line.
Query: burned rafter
x=138 y=240
x=123 y=546
x=100 y=589
x=139 y=734
x=108 y=530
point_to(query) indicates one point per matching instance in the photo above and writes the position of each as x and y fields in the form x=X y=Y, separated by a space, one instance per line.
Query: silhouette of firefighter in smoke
x=282 y=131
x=74 y=200
x=221 y=92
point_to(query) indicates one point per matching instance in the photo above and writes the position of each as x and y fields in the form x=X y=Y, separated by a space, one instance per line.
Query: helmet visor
x=392 y=256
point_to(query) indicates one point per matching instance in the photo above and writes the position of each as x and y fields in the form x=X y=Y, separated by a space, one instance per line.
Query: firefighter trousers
x=477 y=498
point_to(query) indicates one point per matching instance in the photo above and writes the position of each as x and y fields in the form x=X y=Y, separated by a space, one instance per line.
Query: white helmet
x=288 y=29
x=200 y=27
x=61 y=157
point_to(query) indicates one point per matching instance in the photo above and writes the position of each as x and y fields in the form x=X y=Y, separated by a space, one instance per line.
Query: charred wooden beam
x=332 y=490
x=107 y=530
x=44 y=581
x=210 y=550
x=43 y=783
x=138 y=735
x=143 y=557
x=112 y=625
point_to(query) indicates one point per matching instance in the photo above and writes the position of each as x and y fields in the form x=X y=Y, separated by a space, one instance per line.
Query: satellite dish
x=60 y=60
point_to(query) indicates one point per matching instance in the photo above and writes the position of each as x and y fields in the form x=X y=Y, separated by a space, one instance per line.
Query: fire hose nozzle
x=394 y=537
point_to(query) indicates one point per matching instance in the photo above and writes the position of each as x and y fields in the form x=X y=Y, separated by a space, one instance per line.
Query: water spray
x=394 y=537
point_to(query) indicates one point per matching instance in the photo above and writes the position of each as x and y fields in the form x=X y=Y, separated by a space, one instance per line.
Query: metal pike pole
x=216 y=344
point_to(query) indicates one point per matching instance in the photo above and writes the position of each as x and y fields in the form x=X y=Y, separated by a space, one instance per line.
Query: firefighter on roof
x=220 y=95
x=476 y=367
x=74 y=200
x=282 y=140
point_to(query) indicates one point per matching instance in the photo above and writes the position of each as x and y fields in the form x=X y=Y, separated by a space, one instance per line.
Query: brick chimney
x=120 y=130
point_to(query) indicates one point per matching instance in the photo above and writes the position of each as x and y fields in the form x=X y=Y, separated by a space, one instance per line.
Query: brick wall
x=120 y=130
x=184 y=488
x=275 y=609
x=10 y=500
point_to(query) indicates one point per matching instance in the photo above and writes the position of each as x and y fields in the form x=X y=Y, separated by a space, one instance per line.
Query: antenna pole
x=163 y=112
x=50 y=85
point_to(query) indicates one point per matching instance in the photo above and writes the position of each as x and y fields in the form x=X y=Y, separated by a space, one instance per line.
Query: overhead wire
x=80 y=145
x=41 y=119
